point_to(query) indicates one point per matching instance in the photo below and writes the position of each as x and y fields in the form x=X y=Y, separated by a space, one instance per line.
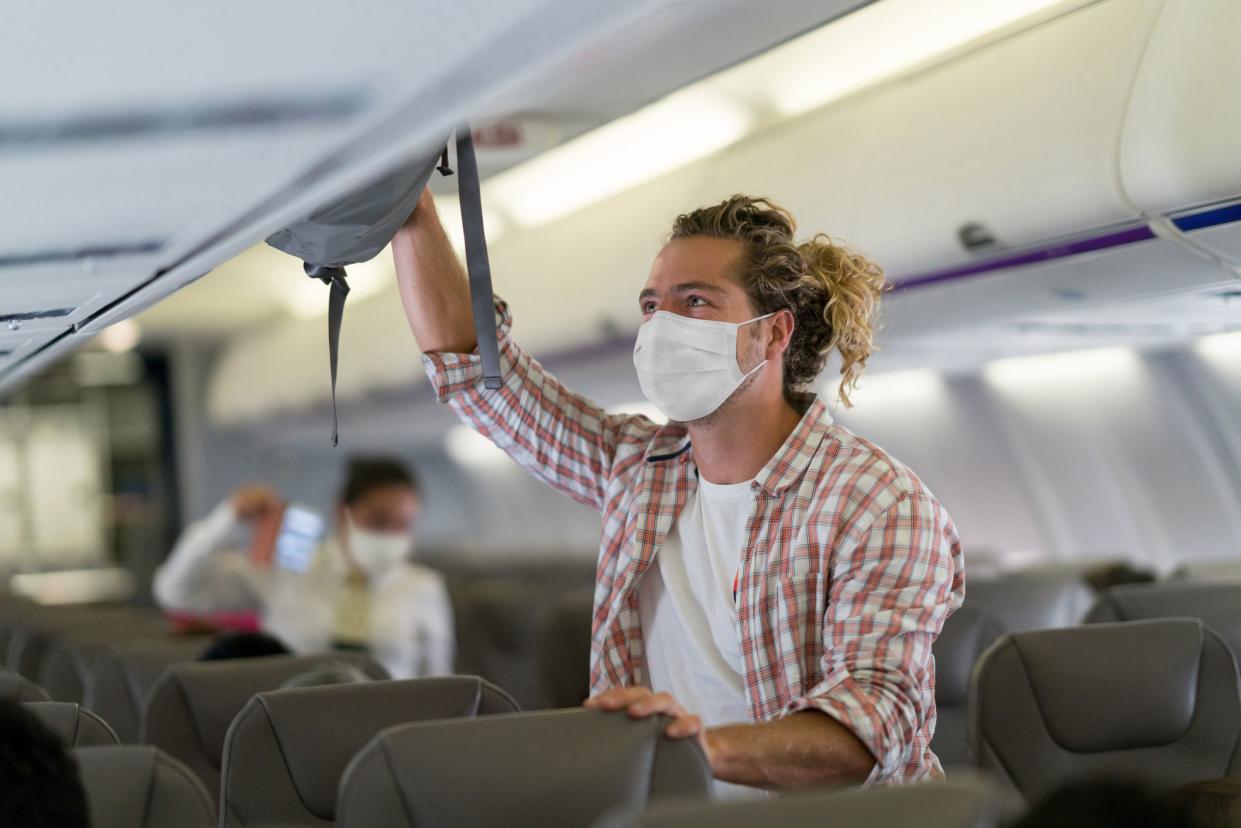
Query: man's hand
x=641 y=702
x=254 y=502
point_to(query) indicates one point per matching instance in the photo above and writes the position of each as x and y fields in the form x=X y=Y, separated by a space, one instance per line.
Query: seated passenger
x=39 y=781
x=243 y=645
x=766 y=578
x=359 y=590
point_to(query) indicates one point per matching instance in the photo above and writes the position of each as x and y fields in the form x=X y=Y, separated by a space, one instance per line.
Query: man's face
x=692 y=277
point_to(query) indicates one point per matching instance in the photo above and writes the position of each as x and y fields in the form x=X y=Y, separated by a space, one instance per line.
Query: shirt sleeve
x=200 y=575
x=561 y=437
x=439 y=638
x=889 y=595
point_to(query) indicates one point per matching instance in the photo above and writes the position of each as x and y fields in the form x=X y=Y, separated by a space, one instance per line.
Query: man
x=767 y=579
x=358 y=591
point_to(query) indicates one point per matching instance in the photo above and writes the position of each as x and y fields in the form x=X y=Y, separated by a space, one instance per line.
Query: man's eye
x=648 y=307
x=696 y=301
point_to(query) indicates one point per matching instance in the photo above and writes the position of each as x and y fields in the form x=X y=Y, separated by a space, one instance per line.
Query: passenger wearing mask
x=359 y=590
x=768 y=580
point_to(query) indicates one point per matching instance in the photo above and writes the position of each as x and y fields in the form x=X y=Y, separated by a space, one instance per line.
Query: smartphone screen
x=301 y=529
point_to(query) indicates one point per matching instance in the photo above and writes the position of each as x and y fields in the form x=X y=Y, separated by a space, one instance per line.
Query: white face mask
x=377 y=553
x=688 y=367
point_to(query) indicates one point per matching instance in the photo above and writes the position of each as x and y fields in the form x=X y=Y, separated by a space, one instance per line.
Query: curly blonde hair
x=832 y=291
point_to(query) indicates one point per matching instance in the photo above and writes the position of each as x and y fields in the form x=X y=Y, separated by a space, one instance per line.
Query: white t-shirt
x=688 y=609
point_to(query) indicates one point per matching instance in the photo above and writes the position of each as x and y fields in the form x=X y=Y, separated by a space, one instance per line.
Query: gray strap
x=335 y=278
x=477 y=263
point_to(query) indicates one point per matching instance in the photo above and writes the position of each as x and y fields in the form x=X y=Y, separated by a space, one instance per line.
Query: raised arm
x=432 y=283
x=559 y=436
x=202 y=574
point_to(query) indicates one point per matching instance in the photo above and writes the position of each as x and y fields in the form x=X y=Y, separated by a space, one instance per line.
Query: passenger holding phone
x=355 y=590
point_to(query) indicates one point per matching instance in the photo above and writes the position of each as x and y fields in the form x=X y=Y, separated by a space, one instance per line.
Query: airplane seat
x=73 y=724
x=955 y=804
x=141 y=787
x=287 y=750
x=497 y=637
x=1033 y=599
x=70 y=655
x=1157 y=701
x=564 y=648
x=124 y=673
x=188 y=711
x=18 y=688
x=966 y=635
x=32 y=636
x=1217 y=604
x=553 y=768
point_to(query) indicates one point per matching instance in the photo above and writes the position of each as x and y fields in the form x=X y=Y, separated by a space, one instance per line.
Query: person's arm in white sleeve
x=201 y=575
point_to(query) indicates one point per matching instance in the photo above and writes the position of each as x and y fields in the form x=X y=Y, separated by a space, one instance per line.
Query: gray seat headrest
x=562 y=767
x=1145 y=699
x=288 y=749
x=1217 y=604
x=18 y=688
x=74 y=726
x=141 y=787
x=189 y=709
x=1154 y=700
x=123 y=674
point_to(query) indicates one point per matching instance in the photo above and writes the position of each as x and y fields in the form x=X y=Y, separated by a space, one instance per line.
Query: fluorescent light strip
x=876 y=43
x=1093 y=366
x=681 y=128
x=879 y=42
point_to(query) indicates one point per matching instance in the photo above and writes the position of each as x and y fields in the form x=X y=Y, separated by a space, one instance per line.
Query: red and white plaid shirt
x=849 y=570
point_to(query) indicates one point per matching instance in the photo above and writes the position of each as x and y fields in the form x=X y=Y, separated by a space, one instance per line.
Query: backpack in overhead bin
x=356 y=228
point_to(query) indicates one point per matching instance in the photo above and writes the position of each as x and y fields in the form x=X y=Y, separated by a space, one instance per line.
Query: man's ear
x=782 y=325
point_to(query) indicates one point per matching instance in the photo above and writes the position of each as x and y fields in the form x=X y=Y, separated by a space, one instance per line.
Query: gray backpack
x=356 y=228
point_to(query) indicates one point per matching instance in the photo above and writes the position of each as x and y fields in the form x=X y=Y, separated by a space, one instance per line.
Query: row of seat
x=993 y=608
x=1157 y=700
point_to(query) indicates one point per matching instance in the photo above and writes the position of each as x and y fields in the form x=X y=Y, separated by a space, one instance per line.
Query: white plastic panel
x=1020 y=135
x=1135 y=270
x=1179 y=145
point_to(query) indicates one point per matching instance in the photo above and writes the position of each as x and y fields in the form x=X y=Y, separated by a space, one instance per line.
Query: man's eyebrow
x=683 y=287
x=689 y=287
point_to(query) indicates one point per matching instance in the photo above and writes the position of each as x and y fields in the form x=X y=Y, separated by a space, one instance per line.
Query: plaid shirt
x=849 y=570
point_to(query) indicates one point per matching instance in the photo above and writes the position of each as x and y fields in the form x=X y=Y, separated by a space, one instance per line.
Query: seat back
x=552 y=768
x=123 y=674
x=18 y=688
x=287 y=750
x=1033 y=600
x=564 y=648
x=1218 y=605
x=141 y=787
x=70 y=655
x=75 y=726
x=1157 y=701
x=966 y=635
x=33 y=635
x=189 y=709
x=929 y=805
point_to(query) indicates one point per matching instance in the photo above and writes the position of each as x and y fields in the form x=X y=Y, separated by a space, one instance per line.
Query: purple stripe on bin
x=1116 y=238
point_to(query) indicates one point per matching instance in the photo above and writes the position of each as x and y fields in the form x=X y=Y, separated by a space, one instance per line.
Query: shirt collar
x=789 y=463
x=784 y=468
